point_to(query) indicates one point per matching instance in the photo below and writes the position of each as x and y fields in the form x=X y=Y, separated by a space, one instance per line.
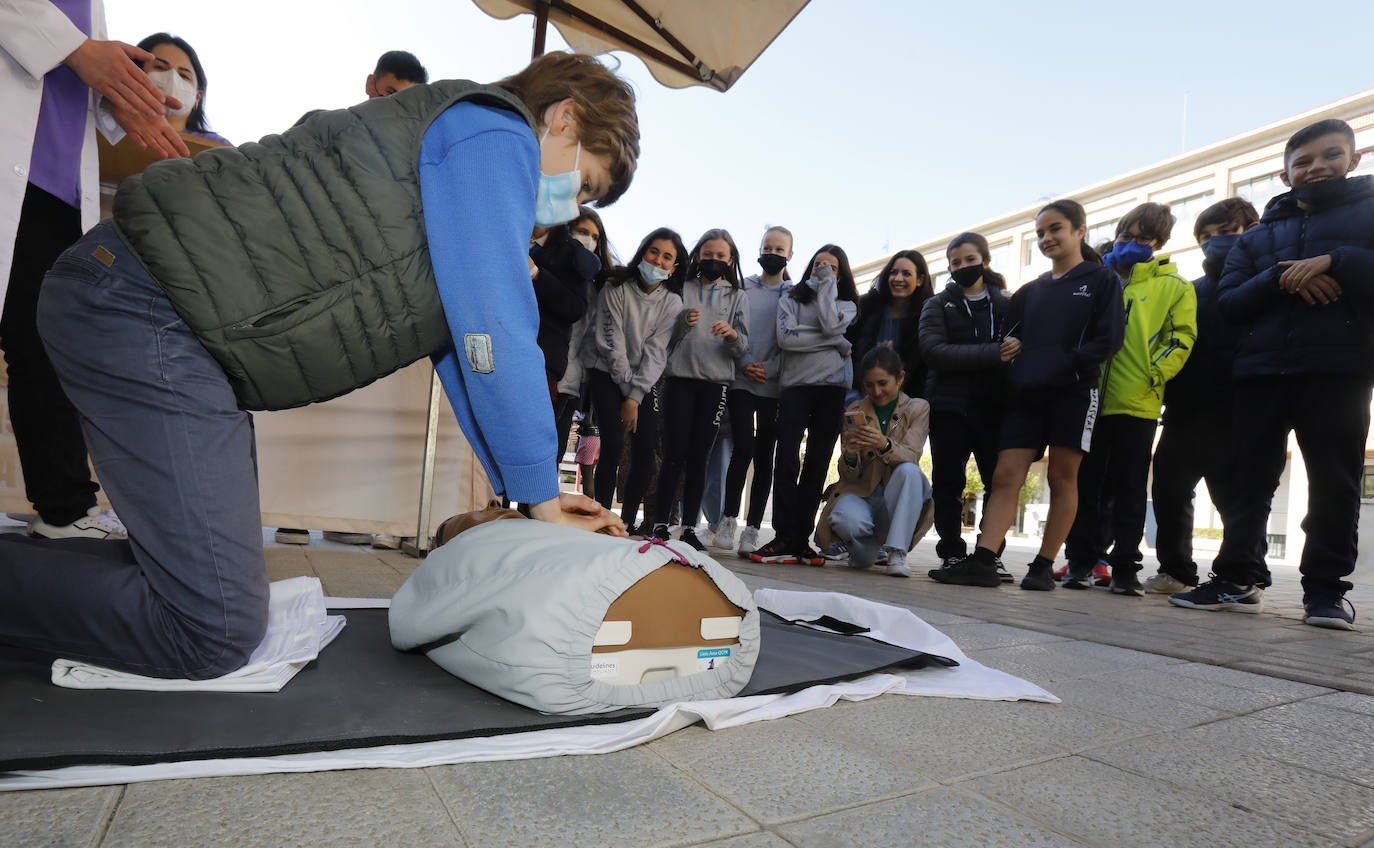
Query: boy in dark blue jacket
x=1197 y=408
x=1298 y=289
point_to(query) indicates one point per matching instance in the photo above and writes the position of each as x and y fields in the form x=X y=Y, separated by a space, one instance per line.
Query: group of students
x=1078 y=364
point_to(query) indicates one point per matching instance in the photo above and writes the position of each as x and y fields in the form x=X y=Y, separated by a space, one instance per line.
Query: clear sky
x=875 y=125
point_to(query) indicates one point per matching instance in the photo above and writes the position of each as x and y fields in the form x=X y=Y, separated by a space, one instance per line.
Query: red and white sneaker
x=773 y=554
x=807 y=555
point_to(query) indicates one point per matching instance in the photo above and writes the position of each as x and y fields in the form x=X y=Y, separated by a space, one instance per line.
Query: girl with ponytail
x=1068 y=322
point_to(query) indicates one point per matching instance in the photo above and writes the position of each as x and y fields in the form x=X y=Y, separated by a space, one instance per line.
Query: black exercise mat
x=360 y=693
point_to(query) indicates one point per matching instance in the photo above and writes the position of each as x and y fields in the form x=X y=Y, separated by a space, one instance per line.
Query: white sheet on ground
x=298 y=628
x=970 y=679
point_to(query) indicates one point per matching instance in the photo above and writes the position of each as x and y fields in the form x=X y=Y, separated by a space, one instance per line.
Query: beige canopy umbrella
x=684 y=42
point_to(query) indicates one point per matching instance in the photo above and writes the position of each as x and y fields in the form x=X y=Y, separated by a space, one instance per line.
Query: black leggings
x=692 y=410
x=755 y=440
x=815 y=411
x=953 y=436
x=605 y=403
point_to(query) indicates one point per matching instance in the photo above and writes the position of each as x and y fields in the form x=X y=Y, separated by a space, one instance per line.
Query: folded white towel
x=297 y=630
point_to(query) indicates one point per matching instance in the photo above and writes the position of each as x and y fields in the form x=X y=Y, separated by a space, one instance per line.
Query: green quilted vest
x=301 y=261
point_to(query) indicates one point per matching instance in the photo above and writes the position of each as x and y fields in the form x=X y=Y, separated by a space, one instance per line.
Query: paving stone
x=1105 y=805
x=1315 y=717
x=1055 y=661
x=948 y=738
x=1249 y=680
x=55 y=816
x=1169 y=682
x=1306 y=799
x=751 y=840
x=1347 y=701
x=981 y=635
x=936 y=618
x=1348 y=759
x=349 y=574
x=783 y=770
x=334 y=808
x=1147 y=708
x=628 y=798
x=946 y=817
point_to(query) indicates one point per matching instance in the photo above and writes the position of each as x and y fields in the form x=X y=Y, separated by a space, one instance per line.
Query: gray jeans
x=186 y=596
x=890 y=513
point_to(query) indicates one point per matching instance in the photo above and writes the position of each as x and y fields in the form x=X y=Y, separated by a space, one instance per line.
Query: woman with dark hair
x=816 y=372
x=964 y=342
x=710 y=340
x=879 y=507
x=1069 y=321
x=588 y=230
x=625 y=352
x=889 y=314
x=176 y=70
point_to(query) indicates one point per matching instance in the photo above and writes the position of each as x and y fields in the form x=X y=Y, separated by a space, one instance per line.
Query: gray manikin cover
x=513 y=607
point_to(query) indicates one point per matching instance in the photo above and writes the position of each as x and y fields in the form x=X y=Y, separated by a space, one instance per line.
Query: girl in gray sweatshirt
x=816 y=373
x=625 y=351
x=711 y=338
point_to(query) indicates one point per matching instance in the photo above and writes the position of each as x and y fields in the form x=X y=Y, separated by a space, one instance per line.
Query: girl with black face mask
x=710 y=339
x=753 y=397
x=963 y=343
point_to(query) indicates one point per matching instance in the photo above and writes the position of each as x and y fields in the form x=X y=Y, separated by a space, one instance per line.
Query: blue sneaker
x=1335 y=613
x=1218 y=594
x=837 y=552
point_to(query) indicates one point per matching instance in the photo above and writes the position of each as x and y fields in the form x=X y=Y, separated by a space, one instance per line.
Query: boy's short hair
x=606 y=120
x=401 y=65
x=1232 y=210
x=1312 y=132
x=1154 y=221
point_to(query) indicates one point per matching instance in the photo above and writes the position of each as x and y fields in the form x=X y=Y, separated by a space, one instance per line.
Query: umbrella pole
x=541 y=27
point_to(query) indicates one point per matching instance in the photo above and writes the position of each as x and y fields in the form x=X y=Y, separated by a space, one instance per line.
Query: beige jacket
x=907 y=431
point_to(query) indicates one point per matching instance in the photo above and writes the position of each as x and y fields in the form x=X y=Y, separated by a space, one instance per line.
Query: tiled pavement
x=1177 y=728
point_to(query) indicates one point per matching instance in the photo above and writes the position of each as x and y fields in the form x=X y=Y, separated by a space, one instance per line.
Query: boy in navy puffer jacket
x=1298 y=289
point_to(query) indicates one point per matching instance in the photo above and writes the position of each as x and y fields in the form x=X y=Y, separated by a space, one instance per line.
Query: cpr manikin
x=567 y=621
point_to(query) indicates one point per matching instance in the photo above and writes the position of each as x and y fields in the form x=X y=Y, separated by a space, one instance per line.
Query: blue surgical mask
x=555 y=202
x=1129 y=253
x=652 y=274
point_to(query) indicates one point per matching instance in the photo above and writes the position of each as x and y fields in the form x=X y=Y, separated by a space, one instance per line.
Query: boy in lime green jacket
x=1161 y=327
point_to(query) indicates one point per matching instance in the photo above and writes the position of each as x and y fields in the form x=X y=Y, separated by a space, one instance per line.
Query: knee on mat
x=215 y=657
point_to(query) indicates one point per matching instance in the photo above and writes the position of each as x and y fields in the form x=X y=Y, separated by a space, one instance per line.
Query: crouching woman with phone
x=881 y=506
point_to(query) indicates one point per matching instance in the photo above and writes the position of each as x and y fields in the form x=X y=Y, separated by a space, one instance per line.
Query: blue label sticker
x=713 y=652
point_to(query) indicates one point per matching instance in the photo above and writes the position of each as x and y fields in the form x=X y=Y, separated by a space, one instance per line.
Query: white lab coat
x=34 y=38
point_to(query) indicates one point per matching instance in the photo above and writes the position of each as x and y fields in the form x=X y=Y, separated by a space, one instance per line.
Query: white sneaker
x=97 y=523
x=748 y=541
x=1165 y=584
x=896 y=563
x=705 y=535
x=725 y=533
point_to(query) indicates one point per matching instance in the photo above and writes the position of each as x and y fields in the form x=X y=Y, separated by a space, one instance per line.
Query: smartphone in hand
x=855 y=419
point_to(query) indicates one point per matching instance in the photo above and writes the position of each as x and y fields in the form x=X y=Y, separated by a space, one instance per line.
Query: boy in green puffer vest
x=1161 y=327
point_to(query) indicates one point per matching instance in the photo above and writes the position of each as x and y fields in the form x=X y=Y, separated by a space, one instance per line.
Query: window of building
x=1105 y=231
x=1367 y=487
x=1258 y=182
x=1000 y=254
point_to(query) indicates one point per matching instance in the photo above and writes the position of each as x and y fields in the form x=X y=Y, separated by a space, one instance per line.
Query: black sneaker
x=1078 y=577
x=1217 y=594
x=774 y=554
x=807 y=555
x=690 y=537
x=1335 y=613
x=1039 y=577
x=972 y=570
x=660 y=532
x=1125 y=582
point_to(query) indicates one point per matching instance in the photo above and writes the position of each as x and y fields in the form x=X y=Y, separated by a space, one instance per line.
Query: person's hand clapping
x=108 y=67
x=724 y=330
x=1298 y=271
x=756 y=372
x=1320 y=289
x=580 y=511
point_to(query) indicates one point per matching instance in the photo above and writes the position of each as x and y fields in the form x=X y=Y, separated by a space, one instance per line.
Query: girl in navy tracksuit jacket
x=1068 y=322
